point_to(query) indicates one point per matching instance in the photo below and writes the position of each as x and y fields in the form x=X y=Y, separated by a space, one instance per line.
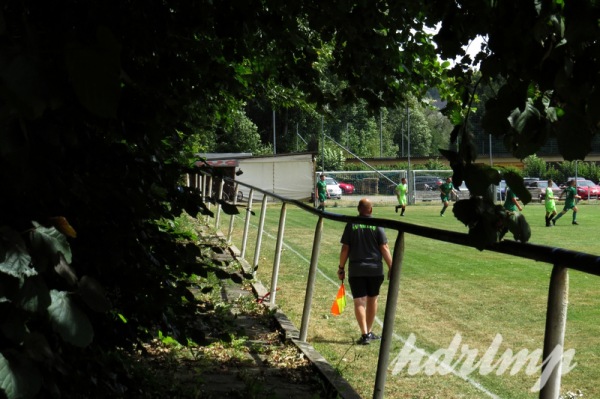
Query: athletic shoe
x=553 y=222
x=396 y=209
x=441 y=214
x=373 y=337
x=574 y=223
x=364 y=340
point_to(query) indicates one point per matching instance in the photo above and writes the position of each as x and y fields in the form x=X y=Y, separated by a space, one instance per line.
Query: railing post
x=554 y=338
x=247 y=224
x=259 y=234
x=208 y=195
x=390 y=315
x=220 y=197
x=230 y=231
x=278 y=246
x=310 y=284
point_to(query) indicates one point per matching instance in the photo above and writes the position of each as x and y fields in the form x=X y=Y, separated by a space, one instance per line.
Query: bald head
x=365 y=207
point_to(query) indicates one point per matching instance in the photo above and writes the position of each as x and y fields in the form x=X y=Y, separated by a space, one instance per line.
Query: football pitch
x=452 y=298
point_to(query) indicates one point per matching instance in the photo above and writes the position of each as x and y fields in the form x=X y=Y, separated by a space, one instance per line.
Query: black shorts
x=365 y=285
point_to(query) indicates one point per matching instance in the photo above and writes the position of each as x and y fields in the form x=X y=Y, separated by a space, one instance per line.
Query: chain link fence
x=423 y=185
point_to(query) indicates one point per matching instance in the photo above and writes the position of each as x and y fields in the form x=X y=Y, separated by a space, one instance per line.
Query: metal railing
x=556 y=310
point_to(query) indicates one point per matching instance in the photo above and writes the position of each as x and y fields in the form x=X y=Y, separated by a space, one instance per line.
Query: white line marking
x=471 y=381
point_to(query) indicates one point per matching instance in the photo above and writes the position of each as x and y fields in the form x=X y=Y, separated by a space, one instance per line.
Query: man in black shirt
x=364 y=246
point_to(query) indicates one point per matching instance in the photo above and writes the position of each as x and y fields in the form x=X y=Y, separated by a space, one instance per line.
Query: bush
x=534 y=166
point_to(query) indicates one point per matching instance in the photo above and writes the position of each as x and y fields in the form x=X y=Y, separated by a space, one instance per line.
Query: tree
x=100 y=101
x=534 y=166
x=440 y=128
x=240 y=134
x=334 y=158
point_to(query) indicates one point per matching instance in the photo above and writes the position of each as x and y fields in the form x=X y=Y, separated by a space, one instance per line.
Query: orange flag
x=340 y=301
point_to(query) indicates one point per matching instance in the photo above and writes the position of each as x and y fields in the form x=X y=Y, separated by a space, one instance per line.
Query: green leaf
x=93 y=294
x=451 y=156
x=68 y=320
x=481 y=216
x=574 y=136
x=19 y=378
x=465 y=211
x=515 y=182
x=479 y=177
x=16 y=262
x=228 y=208
x=517 y=225
x=65 y=271
x=495 y=120
x=530 y=130
x=47 y=243
x=491 y=67
x=34 y=295
x=482 y=235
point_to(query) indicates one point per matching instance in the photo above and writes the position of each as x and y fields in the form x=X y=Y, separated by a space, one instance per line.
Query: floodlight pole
x=491 y=159
x=380 y=134
x=322 y=147
x=274 y=138
x=347 y=134
x=411 y=187
x=402 y=136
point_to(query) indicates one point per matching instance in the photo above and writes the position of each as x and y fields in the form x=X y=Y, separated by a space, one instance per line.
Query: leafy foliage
x=103 y=105
x=534 y=166
x=541 y=56
x=42 y=306
x=333 y=159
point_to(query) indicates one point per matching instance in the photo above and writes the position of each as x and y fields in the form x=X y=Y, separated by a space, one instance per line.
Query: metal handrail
x=561 y=259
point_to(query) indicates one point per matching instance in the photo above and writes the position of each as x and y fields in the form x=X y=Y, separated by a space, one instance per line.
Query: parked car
x=427 y=183
x=538 y=188
x=530 y=181
x=501 y=191
x=347 y=188
x=333 y=188
x=587 y=189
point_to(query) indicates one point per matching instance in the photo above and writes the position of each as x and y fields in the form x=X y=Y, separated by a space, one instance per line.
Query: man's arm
x=344 y=252
x=387 y=255
x=516 y=201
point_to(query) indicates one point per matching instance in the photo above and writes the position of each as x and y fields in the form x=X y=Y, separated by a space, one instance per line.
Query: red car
x=587 y=189
x=347 y=188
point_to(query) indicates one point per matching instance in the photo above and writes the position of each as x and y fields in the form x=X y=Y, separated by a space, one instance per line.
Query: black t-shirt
x=364 y=241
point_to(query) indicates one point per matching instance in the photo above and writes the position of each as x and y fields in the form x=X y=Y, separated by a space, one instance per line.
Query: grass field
x=447 y=292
